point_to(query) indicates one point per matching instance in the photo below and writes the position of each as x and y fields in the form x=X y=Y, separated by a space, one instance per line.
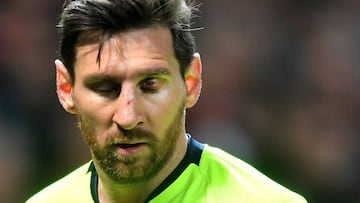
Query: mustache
x=128 y=136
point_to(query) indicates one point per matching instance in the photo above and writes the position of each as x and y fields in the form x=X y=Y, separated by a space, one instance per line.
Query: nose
x=126 y=114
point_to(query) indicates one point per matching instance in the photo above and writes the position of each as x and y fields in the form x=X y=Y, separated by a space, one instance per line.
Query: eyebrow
x=154 y=72
x=94 y=78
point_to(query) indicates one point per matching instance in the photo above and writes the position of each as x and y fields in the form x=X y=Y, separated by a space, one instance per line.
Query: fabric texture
x=218 y=177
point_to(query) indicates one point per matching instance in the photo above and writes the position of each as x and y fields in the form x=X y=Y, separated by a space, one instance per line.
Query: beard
x=139 y=167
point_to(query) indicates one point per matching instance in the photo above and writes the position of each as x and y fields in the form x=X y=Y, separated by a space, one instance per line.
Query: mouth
x=126 y=149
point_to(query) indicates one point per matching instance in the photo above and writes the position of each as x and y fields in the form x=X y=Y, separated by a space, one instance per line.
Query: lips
x=125 y=149
x=128 y=145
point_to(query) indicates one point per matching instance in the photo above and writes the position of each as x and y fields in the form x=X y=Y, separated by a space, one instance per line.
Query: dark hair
x=108 y=17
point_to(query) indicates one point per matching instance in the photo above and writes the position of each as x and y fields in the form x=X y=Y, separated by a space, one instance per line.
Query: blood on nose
x=129 y=101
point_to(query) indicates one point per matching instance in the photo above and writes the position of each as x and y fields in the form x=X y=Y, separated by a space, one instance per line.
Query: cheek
x=95 y=112
x=92 y=127
x=164 y=110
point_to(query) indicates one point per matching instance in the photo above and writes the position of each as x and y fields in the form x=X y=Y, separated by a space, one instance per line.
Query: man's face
x=130 y=107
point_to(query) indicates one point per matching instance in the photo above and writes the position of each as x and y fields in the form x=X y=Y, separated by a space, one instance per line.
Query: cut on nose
x=126 y=115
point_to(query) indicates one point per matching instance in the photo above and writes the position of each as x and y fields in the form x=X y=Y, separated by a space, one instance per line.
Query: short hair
x=109 y=17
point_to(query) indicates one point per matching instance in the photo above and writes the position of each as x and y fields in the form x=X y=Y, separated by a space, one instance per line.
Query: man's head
x=129 y=84
x=109 y=17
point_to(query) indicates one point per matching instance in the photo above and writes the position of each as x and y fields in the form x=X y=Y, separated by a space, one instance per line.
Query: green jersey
x=205 y=175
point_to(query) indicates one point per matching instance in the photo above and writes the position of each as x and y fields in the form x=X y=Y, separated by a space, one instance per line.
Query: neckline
x=192 y=156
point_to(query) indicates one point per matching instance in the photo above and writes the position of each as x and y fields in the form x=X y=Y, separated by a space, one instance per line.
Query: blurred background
x=281 y=91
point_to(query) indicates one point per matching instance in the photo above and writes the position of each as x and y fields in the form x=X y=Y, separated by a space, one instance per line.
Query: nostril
x=126 y=130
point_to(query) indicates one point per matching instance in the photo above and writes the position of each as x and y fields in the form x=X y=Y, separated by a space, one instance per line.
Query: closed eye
x=151 y=84
x=106 y=88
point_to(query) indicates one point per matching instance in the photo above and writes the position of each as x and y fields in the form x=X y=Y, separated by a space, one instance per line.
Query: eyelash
x=147 y=85
x=106 y=89
x=151 y=84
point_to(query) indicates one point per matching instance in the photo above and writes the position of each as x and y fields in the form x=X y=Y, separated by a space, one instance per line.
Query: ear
x=64 y=87
x=193 y=81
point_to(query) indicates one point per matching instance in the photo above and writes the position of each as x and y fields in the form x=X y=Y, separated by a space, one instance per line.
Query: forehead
x=140 y=47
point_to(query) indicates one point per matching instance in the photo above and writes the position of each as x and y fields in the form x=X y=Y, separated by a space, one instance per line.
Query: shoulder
x=230 y=175
x=70 y=188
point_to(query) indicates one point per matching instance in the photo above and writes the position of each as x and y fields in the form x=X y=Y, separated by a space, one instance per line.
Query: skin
x=131 y=109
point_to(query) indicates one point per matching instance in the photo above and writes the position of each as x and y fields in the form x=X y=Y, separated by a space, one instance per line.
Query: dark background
x=281 y=91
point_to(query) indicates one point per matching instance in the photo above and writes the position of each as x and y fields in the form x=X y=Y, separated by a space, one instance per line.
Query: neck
x=111 y=191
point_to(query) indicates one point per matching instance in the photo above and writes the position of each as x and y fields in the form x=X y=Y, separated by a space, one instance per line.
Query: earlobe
x=64 y=87
x=193 y=81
